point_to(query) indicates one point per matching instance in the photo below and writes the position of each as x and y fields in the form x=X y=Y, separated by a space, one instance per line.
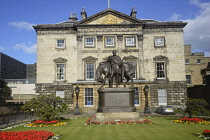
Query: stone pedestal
x=116 y=100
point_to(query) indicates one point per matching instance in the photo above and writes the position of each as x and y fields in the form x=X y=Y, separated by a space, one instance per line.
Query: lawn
x=161 y=129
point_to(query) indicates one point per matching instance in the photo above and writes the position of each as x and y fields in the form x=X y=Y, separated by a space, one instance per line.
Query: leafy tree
x=46 y=107
x=5 y=91
x=195 y=107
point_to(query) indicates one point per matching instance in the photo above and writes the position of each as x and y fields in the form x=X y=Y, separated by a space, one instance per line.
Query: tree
x=5 y=91
x=195 y=107
x=46 y=107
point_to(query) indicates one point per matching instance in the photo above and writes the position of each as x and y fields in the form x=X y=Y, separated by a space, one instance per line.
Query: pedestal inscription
x=116 y=100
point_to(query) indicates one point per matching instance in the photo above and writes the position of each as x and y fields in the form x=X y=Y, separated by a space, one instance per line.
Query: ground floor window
x=188 y=79
x=162 y=97
x=88 y=96
x=136 y=96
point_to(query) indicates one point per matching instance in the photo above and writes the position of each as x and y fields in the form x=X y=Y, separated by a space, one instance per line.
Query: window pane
x=136 y=96
x=109 y=41
x=160 y=69
x=88 y=96
x=186 y=61
x=130 y=42
x=60 y=44
x=89 y=41
x=60 y=94
x=162 y=97
x=60 y=71
x=188 y=79
x=199 y=61
x=90 y=71
x=159 y=41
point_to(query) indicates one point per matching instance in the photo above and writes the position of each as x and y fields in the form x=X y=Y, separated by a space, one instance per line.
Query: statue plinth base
x=116 y=100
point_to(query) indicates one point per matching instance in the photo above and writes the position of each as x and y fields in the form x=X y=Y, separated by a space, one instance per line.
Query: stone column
x=120 y=44
x=80 y=72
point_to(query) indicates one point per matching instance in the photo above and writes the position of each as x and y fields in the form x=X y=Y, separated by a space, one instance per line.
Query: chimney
x=73 y=17
x=133 y=12
x=83 y=13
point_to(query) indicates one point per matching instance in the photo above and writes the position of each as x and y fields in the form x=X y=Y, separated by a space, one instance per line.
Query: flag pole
x=108 y=3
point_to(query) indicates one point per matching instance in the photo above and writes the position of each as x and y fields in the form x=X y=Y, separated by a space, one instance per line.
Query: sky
x=18 y=38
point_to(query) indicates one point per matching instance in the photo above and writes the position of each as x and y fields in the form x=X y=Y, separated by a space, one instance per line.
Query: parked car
x=165 y=110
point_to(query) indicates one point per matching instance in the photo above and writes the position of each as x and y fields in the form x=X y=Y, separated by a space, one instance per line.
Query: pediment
x=60 y=60
x=109 y=17
x=90 y=58
x=160 y=58
x=130 y=57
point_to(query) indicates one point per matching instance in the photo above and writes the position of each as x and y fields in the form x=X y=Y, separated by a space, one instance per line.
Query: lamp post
x=146 y=108
x=76 y=109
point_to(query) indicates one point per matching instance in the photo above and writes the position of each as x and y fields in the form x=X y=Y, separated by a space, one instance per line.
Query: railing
x=20 y=81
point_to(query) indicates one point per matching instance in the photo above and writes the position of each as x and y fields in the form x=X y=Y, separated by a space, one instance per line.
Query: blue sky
x=18 y=38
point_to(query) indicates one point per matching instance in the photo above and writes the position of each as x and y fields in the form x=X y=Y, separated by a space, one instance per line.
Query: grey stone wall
x=176 y=92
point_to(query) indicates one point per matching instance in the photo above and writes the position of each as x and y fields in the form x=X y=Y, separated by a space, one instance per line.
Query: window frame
x=89 y=46
x=113 y=40
x=164 y=70
x=57 y=44
x=187 y=61
x=198 y=61
x=136 y=96
x=64 y=72
x=162 y=96
x=189 y=80
x=85 y=97
x=155 y=41
x=86 y=72
x=58 y=93
x=128 y=44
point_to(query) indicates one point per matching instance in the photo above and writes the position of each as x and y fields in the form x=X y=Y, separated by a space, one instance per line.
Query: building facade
x=194 y=64
x=69 y=52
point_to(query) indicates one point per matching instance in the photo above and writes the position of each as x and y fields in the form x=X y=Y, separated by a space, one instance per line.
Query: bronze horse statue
x=104 y=68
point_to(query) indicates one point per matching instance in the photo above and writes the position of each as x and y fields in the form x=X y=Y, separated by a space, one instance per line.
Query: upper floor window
x=61 y=43
x=198 y=61
x=159 y=41
x=187 y=61
x=109 y=42
x=160 y=70
x=89 y=42
x=188 y=79
x=60 y=72
x=90 y=71
x=130 y=41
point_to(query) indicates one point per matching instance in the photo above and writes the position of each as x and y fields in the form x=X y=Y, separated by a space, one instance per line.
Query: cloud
x=1 y=48
x=175 y=17
x=197 y=32
x=22 y=25
x=29 y=49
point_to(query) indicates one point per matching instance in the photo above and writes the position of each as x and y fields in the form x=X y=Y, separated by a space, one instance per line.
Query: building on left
x=21 y=78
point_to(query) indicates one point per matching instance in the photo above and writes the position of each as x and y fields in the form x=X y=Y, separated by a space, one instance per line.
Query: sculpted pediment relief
x=109 y=19
x=60 y=60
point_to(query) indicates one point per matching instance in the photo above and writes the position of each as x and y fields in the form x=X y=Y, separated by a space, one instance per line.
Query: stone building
x=194 y=64
x=11 y=68
x=69 y=52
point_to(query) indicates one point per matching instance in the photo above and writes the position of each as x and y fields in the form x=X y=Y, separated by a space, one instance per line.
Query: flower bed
x=91 y=122
x=40 y=123
x=205 y=134
x=191 y=121
x=27 y=135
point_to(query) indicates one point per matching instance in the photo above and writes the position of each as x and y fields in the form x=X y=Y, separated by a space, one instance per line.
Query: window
x=60 y=94
x=136 y=96
x=160 y=70
x=109 y=42
x=90 y=71
x=187 y=61
x=162 y=97
x=89 y=42
x=159 y=42
x=60 y=72
x=60 y=43
x=188 y=79
x=130 y=41
x=198 y=61
x=88 y=96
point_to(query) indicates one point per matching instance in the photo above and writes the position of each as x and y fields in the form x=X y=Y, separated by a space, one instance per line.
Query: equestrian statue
x=114 y=69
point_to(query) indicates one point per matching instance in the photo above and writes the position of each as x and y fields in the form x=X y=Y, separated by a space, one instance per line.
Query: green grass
x=161 y=129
